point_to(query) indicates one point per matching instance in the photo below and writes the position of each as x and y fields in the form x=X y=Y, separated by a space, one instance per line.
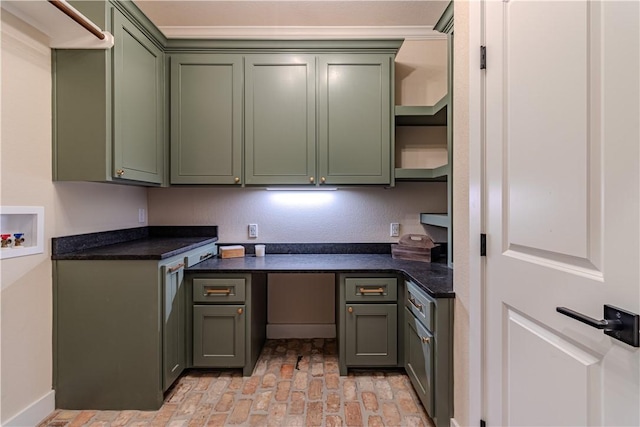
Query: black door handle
x=617 y=323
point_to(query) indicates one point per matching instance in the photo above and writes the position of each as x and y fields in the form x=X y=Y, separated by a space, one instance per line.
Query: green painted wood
x=219 y=336
x=108 y=330
x=138 y=80
x=206 y=118
x=432 y=115
x=445 y=22
x=419 y=360
x=280 y=117
x=223 y=290
x=248 y=46
x=439 y=220
x=256 y=321
x=371 y=334
x=82 y=115
x=359 y=289
x=355 y=118
x=174 y=329
x=109 y=106
x=439 y=174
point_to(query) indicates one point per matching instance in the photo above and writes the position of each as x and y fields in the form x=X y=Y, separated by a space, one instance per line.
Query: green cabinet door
x=354 y=118
x=174 y=323
x=280 y=117
x=206 y=119
x=418 y=353
x=371 y=334
x=219 y=336
x=138 y=79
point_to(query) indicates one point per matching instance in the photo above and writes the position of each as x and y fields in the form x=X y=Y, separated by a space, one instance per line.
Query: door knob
x=617 y=323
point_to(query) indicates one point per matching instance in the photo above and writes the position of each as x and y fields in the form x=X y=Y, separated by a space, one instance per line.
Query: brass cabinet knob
x=311 y=179
x=240 y=311
x=120 y=172
x=322 y=179
x=350 y=309
x=236 y=180
x=425 y=340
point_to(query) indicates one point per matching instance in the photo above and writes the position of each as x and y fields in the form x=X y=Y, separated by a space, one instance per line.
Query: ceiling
x=294 y=18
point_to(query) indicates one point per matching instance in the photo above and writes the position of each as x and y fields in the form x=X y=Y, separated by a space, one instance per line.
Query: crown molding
x=302 y=33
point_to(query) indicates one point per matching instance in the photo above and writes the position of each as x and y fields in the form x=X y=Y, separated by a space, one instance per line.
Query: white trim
x=280 y=331
x=476 y=214
x=425 y=32
x=35 y=413
x=454 y=423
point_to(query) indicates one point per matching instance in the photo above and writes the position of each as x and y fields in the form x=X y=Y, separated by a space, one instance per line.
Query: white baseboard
x=454 y=423
x=279 y=331
x=33 y=414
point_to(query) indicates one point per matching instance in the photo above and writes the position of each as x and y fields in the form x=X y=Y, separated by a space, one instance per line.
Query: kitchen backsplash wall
x=346 y=215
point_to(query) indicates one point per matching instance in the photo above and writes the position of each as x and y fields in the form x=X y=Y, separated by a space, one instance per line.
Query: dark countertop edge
x=400 y=270
x=82 y=242
x=82 y=256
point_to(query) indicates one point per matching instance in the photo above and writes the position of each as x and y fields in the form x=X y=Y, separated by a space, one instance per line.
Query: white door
x=562 y=210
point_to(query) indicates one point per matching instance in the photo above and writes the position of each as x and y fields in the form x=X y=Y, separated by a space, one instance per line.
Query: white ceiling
x=294 y=18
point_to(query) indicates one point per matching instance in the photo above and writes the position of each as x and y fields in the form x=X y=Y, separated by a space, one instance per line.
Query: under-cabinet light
x=301 y=188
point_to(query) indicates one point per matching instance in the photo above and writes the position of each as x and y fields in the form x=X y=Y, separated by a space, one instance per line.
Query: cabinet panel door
x=174 y=340
x=354 y=120
x=218 y=336
x=418 y=353
x=371 y=334
x=138 y=104
x=280 y=116
x=206 y=119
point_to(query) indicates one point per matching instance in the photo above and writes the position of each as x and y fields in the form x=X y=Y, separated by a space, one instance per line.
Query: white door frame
x=476 y=214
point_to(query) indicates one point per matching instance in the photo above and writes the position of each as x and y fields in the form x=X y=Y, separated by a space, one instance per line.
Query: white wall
x=346 y=215
x=70 y=208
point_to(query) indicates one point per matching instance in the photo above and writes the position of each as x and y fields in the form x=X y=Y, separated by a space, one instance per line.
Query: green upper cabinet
x=354 y=118
x=206 y=118
x=109 y=105
x=280 y=117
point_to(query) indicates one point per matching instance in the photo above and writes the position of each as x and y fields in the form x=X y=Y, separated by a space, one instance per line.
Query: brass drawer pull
x=218 y=291
x=205 y=256
x=350 y=309
x=425 y=340
x=371 y=291
x=240 y=311
x=415 y=304
x=176 y=268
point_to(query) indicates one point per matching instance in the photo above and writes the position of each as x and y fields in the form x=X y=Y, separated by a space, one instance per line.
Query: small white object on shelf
x=25 y=220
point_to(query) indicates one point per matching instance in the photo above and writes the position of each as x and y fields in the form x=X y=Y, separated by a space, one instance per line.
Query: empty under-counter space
x=301 y=305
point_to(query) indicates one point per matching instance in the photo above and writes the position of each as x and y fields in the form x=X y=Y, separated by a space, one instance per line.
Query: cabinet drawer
x=371 y=289
x=419 y=347
x=200 y=255
x=219 y=290
x=421 y=305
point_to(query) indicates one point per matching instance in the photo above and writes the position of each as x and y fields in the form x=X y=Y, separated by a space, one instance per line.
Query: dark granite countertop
x=435 y=278
x=143 y=243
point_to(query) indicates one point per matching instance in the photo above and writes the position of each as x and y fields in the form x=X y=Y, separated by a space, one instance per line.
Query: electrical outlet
x=253 y=230
x=141 y=216
x=394 y=230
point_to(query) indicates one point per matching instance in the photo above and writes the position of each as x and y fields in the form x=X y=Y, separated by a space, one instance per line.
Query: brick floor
x=276 y=395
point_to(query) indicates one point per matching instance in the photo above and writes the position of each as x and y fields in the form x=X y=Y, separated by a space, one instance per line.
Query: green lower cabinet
x=418 y=355
x=219 y=336
x=174 y=347
x=371 y=334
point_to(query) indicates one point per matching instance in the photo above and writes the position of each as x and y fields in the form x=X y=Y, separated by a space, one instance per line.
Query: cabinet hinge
x=483 y=423
x=483 y=57
x=483 y=244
